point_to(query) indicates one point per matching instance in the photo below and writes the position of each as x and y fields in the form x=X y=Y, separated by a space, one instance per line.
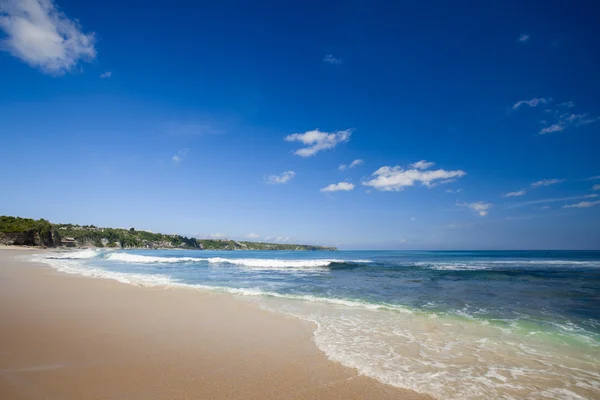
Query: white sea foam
x=75 y=255
x=139 y=259
x=458 y=267
x=495 y=264
x=268 y=263
x=76 y=267
x=444 y=357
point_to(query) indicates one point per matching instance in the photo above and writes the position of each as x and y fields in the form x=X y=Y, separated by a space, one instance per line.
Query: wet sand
x=70 y=337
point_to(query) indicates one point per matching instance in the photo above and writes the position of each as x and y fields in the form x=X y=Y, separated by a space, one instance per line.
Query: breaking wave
x=267 y=263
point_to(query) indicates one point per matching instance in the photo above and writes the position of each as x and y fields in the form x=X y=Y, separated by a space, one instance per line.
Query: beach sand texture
x=71 y=337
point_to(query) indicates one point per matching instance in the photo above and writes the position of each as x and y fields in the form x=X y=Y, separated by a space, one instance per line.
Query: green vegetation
x=17 y=225
x=90 y=235
x=29 y=232
x=126 y=238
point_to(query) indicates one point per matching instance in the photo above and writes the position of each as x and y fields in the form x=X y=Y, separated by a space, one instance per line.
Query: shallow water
x=497 y=324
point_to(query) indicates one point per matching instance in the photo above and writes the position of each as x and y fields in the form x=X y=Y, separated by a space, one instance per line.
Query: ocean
x=453 y=324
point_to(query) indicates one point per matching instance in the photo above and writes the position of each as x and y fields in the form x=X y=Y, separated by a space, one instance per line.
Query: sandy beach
x=71 y=337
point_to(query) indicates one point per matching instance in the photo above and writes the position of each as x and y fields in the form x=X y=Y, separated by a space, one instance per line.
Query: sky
x=357 y=124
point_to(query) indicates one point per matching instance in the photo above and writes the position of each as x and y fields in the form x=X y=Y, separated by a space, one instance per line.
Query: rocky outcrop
x=32 y=237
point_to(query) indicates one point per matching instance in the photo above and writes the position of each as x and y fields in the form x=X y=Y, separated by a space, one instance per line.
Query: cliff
x=28 y=232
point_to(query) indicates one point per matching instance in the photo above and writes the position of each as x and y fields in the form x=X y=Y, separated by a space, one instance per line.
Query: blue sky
x=361 y=124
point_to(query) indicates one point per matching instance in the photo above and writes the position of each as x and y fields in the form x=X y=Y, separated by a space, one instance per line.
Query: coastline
x=73 y=337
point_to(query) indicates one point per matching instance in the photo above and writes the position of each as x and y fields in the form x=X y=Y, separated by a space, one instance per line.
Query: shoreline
x=70 y=337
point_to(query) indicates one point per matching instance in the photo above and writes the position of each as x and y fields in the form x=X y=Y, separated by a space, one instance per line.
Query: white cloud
x=583 y=204
x=43 y=37
x=596 y=187
x=317 y=141
x=547 y=182
x=252 y=235
x=330 y=59
x=453 y=191
x=515 y=194
x=353 y=164
x=281 y=178
x=422 y=164
x=552 y=200
x=545 y=208
x=531 y=103
x=191 y=128
x=592 y=178
x=568 y=104
x=217 y=235
x=523 y=38
x=180 y=155
x=282 y=239
x=356 y=163
x=479 y=207
x=397 y=178
x=579 y=119
x=337 y=187
x=106 y=74
x=552 y=128
x=566 y=120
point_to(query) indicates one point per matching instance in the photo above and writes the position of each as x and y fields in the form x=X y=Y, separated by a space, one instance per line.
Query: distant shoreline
x=30 y=232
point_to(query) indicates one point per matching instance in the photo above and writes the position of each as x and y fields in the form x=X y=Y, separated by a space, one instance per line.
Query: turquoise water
x=455 y=324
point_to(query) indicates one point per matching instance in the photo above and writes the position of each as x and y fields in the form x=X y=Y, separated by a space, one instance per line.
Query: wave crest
x=257 y=263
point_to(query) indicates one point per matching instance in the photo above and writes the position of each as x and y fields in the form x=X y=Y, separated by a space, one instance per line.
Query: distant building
x=68 y=242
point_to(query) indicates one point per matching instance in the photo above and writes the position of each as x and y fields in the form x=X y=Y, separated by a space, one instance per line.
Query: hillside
x=23 y=231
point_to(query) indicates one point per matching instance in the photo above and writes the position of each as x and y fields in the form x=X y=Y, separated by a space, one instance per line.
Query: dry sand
x=69 y=337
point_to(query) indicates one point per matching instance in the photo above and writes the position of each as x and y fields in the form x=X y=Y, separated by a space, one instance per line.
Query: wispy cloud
x=44 y=37
x=531 y=103
x=515 y=194
x=453 y=191
x=331 y=59
x=281 y=178
x=253 y=235
x=422 y=164
x=180 y=155
x=353 y=164
x=106 y=74
x=568 y=104
x=279 y=239
x=596 y=187
x=480 y=207
x=566 y=120
x=523 y=38
x=356 y=163
x=551 y=200
x=318 y=141
x=217 y=236
x=583 y=204
x=580 y=119
x=338 y=187
x=552 y=128
x=592 y=178
x=547 y=182
x=191 y=128
x=397 y=178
